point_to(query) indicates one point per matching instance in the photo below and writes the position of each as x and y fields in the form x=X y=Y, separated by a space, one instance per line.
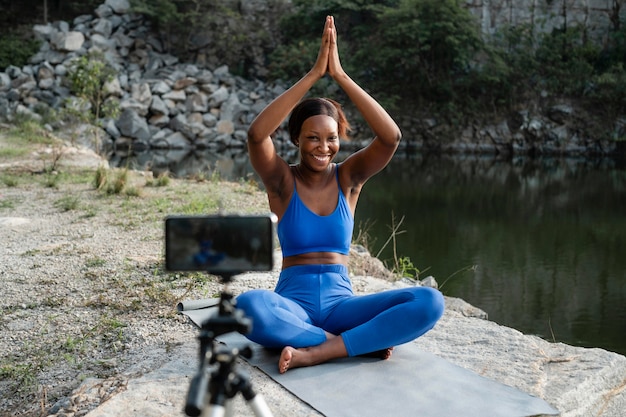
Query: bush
x=87 y=76
x=430 y=55
x=608 y=91
x=420 y=50
x=566 y=61
x=16 y=50
x=292 y=61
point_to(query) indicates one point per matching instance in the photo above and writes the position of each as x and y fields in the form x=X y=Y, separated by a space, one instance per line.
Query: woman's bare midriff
x=315 y=258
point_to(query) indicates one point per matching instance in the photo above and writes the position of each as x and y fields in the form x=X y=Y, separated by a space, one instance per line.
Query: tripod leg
x=255 y=401
x=259 y=406
x=197 y=393
x=230 y=411
x=216 y=411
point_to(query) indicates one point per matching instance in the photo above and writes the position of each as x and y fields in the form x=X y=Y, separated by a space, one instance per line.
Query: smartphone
x=220 y=244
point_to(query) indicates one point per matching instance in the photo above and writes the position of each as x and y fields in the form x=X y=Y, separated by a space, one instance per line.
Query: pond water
x=539 y=244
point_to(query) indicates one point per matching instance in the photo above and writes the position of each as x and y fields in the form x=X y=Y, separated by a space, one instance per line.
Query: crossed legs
x=354 y=325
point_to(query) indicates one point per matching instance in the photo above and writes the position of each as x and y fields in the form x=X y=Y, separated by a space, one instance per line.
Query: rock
x=577 y=381
x=13 y=221
x=132 y=125
x=149 y=85
x=159 y=88
x=118 y=6
x=68 y=42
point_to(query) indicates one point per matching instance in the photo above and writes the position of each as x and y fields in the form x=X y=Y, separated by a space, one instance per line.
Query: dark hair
x=315 y=106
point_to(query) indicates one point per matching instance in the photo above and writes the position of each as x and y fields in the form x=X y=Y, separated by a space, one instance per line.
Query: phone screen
x=220 y=244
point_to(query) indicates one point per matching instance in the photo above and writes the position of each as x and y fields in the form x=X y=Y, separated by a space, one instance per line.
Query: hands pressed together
x=328 y=56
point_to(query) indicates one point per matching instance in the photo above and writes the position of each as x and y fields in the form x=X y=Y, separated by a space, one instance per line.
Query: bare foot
x=383 y=354
x=291 y=358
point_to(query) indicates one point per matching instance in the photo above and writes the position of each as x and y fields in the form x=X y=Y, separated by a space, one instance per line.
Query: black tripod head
x=228 y=318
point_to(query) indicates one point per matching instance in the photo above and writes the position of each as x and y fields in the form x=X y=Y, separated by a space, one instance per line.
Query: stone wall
x=544 y=15
x=164 y=103
x=170 y=104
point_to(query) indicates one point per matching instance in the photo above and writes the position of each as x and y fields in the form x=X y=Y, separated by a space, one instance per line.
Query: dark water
x=539 y=244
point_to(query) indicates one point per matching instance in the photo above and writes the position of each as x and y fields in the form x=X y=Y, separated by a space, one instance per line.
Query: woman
x=312 y=314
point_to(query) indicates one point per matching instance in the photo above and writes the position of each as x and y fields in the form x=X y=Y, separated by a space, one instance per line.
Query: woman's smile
x=319 y=139
x=322 y=158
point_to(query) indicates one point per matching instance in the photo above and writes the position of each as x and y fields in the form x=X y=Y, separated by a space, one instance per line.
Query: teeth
x=321 y=158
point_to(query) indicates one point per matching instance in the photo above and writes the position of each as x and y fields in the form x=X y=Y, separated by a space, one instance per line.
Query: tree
x=420 y=48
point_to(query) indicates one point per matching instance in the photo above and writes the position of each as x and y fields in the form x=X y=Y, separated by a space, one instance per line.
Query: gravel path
x=84 y=293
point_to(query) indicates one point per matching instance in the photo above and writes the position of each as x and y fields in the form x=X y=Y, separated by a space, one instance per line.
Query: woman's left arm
x=374 y=157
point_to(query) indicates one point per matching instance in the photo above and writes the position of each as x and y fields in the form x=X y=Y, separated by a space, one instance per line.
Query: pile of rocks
x=168 y=104
x=163 y=103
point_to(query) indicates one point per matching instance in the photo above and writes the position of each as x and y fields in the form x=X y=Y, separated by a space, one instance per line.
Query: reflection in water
x=228 y=164
x=232 y=164
x=547 y=236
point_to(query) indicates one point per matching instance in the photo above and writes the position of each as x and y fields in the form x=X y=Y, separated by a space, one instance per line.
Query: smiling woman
x=319 y=141
x=313 y=314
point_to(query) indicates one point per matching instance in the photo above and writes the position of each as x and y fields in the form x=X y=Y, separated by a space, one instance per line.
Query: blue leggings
x=311 y=299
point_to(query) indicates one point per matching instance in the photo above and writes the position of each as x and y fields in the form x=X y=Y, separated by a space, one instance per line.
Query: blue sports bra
x=302 y=231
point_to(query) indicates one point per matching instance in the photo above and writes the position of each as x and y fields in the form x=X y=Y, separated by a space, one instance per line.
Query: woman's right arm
x=271 y=168
x=263 y=156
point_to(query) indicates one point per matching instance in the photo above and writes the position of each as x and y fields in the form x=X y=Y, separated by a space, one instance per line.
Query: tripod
x=223 y=382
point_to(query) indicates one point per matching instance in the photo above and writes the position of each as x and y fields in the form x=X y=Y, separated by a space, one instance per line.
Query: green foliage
x=119 y=183
x=114 y=182
x=23 y=136
x=16 y=50
x=506 y=75
x=616 y=49
x=162 y=180
x=414 y=49
x=163 y=12
x=404 y=268
x=6 y=203
x=422 y=48
x=608 y=85
x=101 y=178
x=88 y=76
x=561 y=63
x=609 y=91
x=175 y=20
x=25 y=130
x=67 y=203
x=9 y=181
x=303 y=30
x=566 y=61
x=95 y=262
x=21 y=377
x=430 y=54
x=199 y=205
x=353 y=18
x=291 y=61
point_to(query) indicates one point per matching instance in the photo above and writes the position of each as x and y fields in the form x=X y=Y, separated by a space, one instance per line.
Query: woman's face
x=318 y=142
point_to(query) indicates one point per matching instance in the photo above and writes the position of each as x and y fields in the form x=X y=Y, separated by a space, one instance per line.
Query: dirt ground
x=84 y=290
